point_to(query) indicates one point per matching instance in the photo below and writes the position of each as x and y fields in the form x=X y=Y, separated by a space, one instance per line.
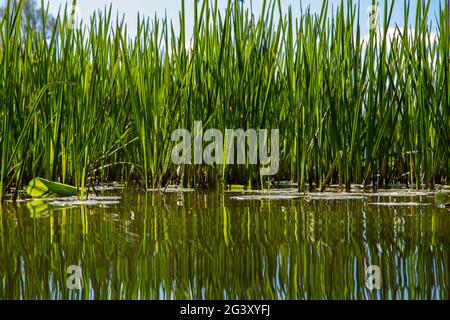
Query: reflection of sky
x=171 y=7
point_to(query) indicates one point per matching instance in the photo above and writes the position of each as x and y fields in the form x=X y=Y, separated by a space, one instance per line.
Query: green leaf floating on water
x=42 y=188
x=236 y=187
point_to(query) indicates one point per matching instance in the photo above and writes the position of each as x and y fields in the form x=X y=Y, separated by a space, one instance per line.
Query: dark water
x=207 y=246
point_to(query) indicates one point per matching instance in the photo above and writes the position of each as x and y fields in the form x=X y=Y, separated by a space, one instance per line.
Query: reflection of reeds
x=93 y=104
x=243 y=251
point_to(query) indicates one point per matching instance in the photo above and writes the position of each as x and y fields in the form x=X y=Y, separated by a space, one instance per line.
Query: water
x=217 y=246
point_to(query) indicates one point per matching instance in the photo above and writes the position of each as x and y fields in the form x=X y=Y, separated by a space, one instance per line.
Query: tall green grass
x=94 y=104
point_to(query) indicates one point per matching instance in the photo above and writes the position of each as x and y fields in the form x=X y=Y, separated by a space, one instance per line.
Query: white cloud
x=394 y=34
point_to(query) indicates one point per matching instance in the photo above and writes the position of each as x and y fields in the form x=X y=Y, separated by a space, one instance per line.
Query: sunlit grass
x=92 y=104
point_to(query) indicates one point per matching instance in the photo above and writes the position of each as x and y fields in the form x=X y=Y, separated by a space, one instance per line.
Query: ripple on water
x=75 y=201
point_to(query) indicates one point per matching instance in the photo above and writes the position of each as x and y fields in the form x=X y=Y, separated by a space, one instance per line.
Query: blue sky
x=149 y=7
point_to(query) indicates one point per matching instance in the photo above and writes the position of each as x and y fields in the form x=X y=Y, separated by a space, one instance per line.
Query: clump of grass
x=87 y=104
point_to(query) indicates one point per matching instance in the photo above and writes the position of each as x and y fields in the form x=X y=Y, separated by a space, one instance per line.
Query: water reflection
x=206 y=246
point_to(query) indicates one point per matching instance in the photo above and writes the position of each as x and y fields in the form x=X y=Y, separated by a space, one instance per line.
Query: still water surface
x=216 y=246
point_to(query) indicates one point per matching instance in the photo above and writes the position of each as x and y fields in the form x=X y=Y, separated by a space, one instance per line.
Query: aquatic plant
x=42 y=188
x=92 y=104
